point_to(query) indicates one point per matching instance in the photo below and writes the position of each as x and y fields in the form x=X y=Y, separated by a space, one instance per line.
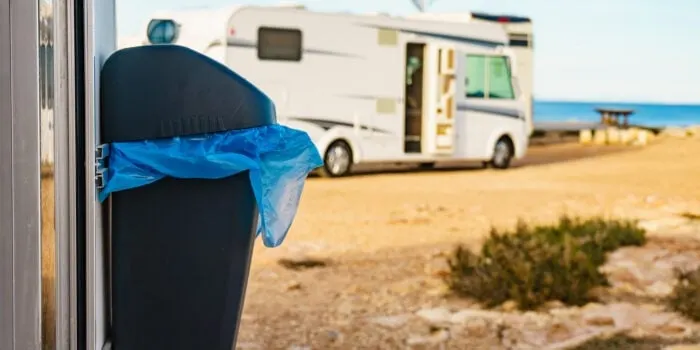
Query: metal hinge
x=101 y=158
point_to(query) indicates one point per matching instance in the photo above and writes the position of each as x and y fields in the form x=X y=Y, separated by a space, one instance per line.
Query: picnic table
x=612 y=116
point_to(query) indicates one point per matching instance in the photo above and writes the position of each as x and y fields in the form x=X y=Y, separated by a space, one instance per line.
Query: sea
x=651 y=115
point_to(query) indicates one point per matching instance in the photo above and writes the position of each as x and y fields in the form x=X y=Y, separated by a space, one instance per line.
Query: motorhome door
x=439 y=100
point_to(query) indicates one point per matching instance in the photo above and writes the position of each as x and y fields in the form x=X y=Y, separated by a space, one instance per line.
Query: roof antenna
x=422 y=5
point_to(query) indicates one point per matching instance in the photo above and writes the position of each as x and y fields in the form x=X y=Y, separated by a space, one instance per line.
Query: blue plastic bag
x=279 y=160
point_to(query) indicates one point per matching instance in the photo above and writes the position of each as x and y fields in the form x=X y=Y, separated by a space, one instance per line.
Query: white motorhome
x=370 y=88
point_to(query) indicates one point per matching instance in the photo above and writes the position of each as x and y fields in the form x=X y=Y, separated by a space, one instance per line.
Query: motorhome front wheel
x=502 y=153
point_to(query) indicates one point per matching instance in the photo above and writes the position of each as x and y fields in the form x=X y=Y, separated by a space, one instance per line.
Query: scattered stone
x=437 y=316
x=509 y=306
x=600 y=320
x=674 y=132
x=440 y=291
x=299 y=347
x=302 y=263
x=581 y=339
x=585 y=137
x=627 y=136
x=648 y=271
x=693 y=131
x=333 y=336
x=467 y=315
x=642 y=138
x=662 y=224
x=553 y=305
x=440 y=336
x=673 y=330
x=613 y=135
x=477 y=327
x=293 y=285
x=659 y=289
x=600 y=137
x=391 y=322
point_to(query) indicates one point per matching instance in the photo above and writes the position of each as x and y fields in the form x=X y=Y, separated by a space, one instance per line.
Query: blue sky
x=589 y=50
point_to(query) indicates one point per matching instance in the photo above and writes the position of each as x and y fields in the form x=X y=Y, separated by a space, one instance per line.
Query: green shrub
x=685 y=298
x=536 y=264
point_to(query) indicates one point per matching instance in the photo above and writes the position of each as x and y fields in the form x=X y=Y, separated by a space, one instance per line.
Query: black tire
x=331 y=167
x=503 y=152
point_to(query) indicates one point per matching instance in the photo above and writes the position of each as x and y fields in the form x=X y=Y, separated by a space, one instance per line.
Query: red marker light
x=503 y=20
x=231 y=32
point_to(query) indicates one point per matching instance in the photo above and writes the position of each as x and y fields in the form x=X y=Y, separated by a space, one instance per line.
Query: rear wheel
x=337 y=161
x=502 y=153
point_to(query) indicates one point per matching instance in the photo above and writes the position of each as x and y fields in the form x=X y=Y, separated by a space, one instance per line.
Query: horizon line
x=645 y=102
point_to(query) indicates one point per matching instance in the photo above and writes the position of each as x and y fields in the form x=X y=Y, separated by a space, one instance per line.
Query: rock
x=642 y=138
x=299 y=347
x=293 y=285
x=585 y=137
x=599 y=320
x=509 y=306
x=581 y=339
x=613 y=136
x=553 y=305
x=660 y=289
x=693 y=131
x=302 y=263
x=391 y=322
x=558 y=331
x=333 y=336
x=674 y=132
x=600 y=137
x=467 y=315
x=477 y=327
x=673 y=330
x=440 y=291
x=663 y=224
x=437 y=316
x=437 y=337
x=627 y=136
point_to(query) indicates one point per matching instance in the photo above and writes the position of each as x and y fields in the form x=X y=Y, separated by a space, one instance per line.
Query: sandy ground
x=384 y=235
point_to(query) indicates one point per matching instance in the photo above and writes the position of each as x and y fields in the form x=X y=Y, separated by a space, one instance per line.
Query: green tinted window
x=499 y=78
x=488 y=76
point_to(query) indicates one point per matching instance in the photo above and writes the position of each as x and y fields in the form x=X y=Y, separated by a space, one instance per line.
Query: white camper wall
x=344 y=72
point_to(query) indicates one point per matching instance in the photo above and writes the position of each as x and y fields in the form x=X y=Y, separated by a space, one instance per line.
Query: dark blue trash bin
x=180 y=248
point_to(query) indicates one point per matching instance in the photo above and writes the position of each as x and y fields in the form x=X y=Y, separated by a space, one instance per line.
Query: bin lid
x=163 y=91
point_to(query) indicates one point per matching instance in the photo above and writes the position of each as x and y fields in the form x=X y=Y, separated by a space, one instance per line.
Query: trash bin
x=182 y=224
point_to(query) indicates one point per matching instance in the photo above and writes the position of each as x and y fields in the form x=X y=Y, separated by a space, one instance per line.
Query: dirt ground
x=382 y=236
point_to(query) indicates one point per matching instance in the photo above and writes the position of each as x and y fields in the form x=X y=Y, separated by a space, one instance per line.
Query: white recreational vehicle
x=371 y=88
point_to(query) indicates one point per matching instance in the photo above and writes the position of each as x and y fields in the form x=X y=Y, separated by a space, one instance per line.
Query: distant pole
x=422 y=5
